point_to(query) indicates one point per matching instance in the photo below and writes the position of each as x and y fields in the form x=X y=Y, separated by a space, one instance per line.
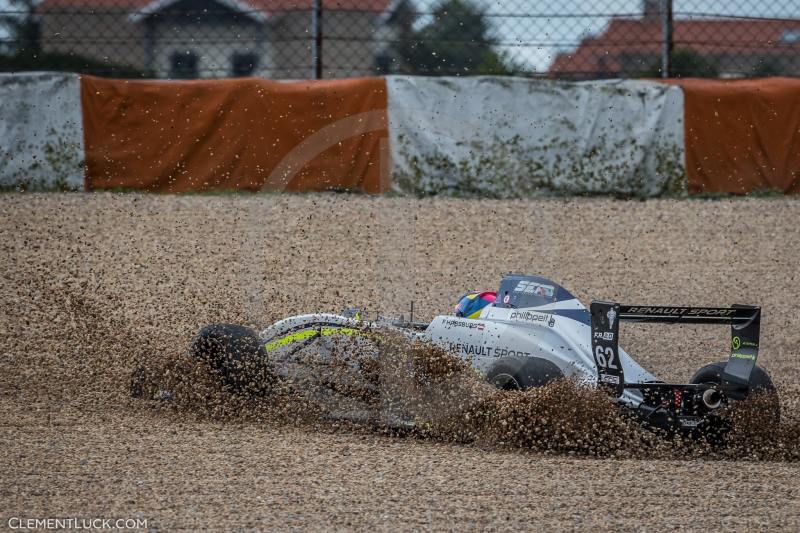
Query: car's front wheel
x=236 y=354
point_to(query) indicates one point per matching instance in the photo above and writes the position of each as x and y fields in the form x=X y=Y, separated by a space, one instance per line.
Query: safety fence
x=480 y=136
x=301 y=39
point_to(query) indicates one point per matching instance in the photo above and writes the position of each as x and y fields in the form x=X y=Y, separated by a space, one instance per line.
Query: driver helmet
x=471 y=304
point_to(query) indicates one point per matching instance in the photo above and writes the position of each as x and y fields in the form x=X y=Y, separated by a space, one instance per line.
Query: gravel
x=93 y=283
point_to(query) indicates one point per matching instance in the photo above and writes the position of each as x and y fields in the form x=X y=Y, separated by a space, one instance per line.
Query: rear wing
x=745 y=322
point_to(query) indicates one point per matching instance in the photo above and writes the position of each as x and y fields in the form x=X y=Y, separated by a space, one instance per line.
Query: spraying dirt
x=95 y=286
x=422 y=391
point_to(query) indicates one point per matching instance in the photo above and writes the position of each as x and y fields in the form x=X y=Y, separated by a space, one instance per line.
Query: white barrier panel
x=41 y=131
x=512 y=137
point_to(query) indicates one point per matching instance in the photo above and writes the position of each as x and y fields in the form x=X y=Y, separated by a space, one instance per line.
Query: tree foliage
x=769 y=66
x=686 y=63
x=27 y=61
x=457 y=41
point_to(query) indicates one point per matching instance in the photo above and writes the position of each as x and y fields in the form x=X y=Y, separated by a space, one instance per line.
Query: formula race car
x=529 y=333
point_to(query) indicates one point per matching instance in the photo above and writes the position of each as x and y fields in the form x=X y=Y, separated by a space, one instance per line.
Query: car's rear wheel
x=236 y=354
x=760 y=383
x=712 y=374
x=519 y=373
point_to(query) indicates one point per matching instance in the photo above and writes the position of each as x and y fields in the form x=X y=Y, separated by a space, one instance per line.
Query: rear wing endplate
x=745 y=322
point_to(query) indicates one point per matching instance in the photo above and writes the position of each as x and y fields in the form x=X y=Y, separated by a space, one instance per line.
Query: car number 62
x=604 y=356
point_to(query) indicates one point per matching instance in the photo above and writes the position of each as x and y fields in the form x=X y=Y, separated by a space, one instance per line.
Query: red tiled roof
x=638 y=37
x=265 y=6
x=377 y=6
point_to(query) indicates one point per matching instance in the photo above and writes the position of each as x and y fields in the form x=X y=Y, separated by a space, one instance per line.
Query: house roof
x=641 y=37
x=263 y=7
x=243 y=7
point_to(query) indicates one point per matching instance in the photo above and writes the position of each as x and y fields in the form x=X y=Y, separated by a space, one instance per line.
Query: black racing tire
x=760 y=382
x=520 y=373
x=712 y=373
x=234 y=353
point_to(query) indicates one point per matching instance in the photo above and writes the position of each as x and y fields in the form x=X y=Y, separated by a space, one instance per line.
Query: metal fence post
x=316 y=32
x=666 y=45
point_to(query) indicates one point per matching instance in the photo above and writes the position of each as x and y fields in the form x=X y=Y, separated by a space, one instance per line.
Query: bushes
x=29 y=60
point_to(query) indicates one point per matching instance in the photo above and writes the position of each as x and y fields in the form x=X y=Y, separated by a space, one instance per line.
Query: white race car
x=533 y=333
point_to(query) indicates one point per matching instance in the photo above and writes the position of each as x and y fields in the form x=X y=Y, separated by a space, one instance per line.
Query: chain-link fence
x=568 y=39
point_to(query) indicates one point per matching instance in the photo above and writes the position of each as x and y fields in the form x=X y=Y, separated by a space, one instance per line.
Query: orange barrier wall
x=742 y=135
x=248 y=134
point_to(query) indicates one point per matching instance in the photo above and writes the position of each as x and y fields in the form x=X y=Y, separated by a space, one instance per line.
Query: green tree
x=27 y=61
x=457 y=41
x=686 y=63
x=769 y=66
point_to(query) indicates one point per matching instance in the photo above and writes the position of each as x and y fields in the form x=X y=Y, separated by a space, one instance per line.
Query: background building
x=216 y=38
x=703 y=46
x=571 y=39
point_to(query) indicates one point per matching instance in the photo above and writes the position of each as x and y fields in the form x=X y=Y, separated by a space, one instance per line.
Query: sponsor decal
x=528 y=316
x=739 y=355
x=682 y=311
x=506 y=352
x=610 y=378
x=531 y=287
x=471 y=349
x=506 y=298
x=612 y=315
x=689 y=422
x=606 y=335
x=455 y=323
x=475 y=350
x=736 y=343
